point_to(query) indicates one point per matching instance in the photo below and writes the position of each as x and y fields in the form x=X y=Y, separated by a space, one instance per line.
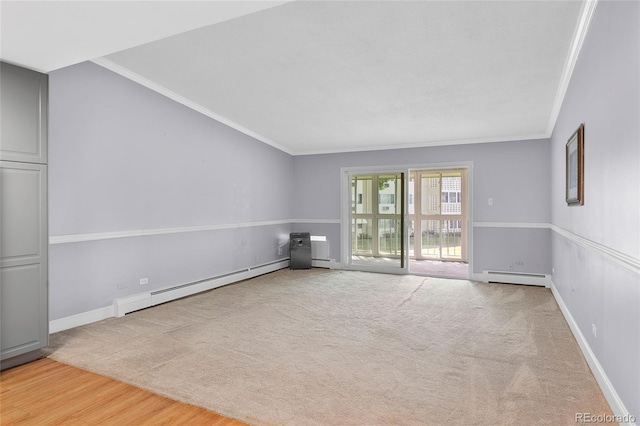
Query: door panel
x=430 y=238
x=24 y=322
x=21 y=211
x=438 y=214
x=377 y=223
x=23 y=261
x=362 y=233
x=24 y=114
x=389 y=237
x=21 y=312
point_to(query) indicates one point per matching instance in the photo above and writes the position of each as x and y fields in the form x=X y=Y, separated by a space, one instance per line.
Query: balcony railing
x=451 y=208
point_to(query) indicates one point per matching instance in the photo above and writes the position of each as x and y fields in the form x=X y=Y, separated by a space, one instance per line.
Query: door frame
x=346 y=174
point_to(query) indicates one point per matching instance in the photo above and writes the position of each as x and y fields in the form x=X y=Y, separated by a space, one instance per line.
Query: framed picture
x=575 y=167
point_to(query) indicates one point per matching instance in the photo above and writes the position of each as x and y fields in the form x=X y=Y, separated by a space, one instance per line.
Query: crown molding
x=127 y=73
x=582 y=28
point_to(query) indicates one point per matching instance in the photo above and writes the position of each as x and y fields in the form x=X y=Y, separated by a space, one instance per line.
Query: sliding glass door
x=377 y=220
x=411 y=220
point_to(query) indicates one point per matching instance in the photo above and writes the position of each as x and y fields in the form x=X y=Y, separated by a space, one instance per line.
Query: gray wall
x=515 y=174
x=124 y=158
x=597 y=287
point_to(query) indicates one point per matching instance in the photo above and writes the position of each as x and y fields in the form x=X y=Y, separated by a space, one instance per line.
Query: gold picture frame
x=575 y=167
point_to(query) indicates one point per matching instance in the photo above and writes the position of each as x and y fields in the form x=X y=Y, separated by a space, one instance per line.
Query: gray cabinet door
x=23 y=258
x=24 y=106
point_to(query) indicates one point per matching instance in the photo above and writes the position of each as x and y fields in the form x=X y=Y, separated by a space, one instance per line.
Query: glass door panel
x=388 y=195
x=430 y=194
x=389 y=237
x=377 y=220
x=431 y=239
x=361 y=194
x=437 y=214
x=361 y=236
x=412 y=238
x=411 y=203
x=451 y=239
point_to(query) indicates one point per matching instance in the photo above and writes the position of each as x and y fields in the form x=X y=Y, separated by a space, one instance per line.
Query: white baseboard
x=508 y=277
x=617 y=406
x=80 y=319
x=138 y=301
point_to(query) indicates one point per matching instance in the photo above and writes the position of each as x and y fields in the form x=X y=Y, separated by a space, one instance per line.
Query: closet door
x=24 y=319
x=24 y=104
x=23 y=258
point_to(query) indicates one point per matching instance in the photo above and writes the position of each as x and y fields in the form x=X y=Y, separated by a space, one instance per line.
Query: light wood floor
x=47 y=392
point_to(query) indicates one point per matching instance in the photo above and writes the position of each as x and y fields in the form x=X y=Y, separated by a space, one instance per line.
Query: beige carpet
x=340 y=347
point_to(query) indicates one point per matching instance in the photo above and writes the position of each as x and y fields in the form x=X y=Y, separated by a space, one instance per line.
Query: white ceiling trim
x=581 y=32
x=127 y=73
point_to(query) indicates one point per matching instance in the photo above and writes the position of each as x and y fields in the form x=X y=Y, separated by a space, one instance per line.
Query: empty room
x=320 y=212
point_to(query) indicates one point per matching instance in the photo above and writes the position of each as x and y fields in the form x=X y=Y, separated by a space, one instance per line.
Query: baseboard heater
x=509 y=277
x=139 y=301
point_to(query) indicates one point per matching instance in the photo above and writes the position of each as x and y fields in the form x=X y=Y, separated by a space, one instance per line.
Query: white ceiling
x=333 y=76
x=47 y=35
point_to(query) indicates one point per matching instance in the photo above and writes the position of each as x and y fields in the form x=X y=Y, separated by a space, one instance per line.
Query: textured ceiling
x=332 y=76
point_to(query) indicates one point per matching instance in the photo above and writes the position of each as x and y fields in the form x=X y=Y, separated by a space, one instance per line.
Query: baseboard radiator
x=320 y=253
x=510 y=277
x=139 y=301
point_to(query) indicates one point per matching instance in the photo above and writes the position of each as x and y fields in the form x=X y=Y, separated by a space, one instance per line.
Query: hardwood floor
x=47 y=392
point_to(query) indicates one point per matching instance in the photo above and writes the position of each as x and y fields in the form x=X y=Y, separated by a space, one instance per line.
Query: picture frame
x=575 y=168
